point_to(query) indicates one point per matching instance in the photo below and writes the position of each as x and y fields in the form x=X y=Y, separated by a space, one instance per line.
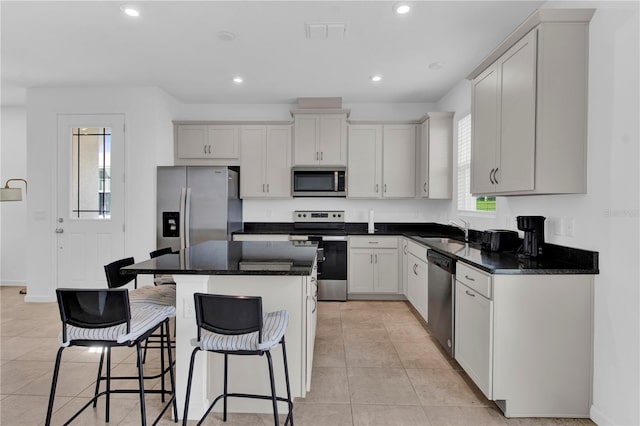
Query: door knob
x=59 y=230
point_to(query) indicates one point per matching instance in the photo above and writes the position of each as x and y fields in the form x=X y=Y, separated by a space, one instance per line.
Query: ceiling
x=175 y=45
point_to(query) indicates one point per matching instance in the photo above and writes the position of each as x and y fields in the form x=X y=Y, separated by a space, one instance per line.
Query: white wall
x=13 y=223
x=606 y=218
x=148 y=135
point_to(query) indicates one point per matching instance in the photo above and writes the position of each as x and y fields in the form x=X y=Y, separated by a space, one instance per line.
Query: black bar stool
x=105 y=318
x=235 y=325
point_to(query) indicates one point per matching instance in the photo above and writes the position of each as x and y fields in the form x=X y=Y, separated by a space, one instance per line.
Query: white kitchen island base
x=247 y=374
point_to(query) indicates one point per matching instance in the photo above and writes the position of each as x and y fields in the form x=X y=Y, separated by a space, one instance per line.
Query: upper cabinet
x=529 y=108
x=265 y=165
x=211 y=143
x=436 y=145
x=320 y=138
x=381 y=161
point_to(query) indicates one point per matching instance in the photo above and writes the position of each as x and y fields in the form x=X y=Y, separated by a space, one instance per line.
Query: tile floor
x=375 y=364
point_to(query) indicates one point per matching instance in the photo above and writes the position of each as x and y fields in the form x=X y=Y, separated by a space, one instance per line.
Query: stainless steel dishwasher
x=441 y=296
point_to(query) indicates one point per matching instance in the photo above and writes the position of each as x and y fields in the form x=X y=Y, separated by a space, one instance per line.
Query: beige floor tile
x=358 y=317
x=385 y=415
x=16 y=374
x=464 y=416
x=541 y=421
x=399 y=316
x=238 y=419
x=328 y=385
x=364 y=332
x=308 y=414
x=329 y=329
x=119 y=411
x=73 y=379
x=329 y=353
x=399 y=332
x=29 y=410
x=439 y=387
x=422 y=354
x=371 y=354
x=389 y=386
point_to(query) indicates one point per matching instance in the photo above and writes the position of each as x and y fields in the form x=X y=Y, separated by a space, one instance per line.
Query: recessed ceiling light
x=402 y=8
x=436 y=66
x=130 y=10
x=375 y=78
x=237 y=80
x=226 y=35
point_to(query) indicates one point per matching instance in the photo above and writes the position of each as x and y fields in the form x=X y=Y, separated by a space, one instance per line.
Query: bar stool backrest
x=93 y=308
x=229 y=315
x=114 y=278
x=160 y=252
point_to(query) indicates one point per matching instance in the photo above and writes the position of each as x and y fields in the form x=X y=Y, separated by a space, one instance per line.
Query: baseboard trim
x=39 y=299
x=375 y=296
x=599 y=418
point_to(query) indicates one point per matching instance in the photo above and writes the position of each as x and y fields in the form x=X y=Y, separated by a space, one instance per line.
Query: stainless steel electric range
x=327 y=228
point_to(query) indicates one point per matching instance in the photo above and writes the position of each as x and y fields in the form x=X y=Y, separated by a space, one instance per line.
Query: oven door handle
x=334 y=238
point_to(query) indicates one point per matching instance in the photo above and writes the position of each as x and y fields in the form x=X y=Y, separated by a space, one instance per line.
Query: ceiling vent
x=325 y=31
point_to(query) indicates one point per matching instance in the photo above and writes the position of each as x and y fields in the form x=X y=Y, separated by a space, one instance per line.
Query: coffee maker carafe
x=533 y=227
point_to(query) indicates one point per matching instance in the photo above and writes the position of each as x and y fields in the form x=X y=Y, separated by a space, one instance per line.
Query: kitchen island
x=283 y=274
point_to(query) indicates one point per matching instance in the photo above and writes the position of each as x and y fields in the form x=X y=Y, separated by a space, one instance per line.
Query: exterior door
x=89 y=197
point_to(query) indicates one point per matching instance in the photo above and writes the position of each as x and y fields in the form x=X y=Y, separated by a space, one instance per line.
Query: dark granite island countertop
x=234 y=258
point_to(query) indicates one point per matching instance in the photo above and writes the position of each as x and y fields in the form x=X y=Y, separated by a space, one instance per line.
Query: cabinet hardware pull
x=385 y=187
x=469 y=278
x=371 y=260
x=404 y=249
x=374 y=242
x=267 y=187
x=204 y=147
x=317 y=157
x=424 y=187
x=495 y=175
x=469 y=294
x=376 y=187
x=263 y=187
x=491 y=176
x=414 y=269
x=321 y=156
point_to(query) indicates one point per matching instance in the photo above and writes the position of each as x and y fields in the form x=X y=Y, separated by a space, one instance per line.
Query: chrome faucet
x=464 y=228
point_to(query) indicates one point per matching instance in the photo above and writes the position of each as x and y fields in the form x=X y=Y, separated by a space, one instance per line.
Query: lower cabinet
x=373 y=265
x=473 y=336
x=526 y=340
x=417 y=284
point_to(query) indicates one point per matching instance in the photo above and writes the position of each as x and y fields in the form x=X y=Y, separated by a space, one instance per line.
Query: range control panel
x=318 y=216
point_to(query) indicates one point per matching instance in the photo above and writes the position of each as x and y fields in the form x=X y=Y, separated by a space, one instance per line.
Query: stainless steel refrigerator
x=196 y=204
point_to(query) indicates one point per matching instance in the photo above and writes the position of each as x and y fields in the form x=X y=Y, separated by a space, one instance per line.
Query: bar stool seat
x=235 y=325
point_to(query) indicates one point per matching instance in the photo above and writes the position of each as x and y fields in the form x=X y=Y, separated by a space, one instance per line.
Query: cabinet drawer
x=473 y=278
x=417 y=250
x=373 y=242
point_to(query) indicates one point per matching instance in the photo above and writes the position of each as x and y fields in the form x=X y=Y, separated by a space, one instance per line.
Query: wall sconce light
x=12 y=194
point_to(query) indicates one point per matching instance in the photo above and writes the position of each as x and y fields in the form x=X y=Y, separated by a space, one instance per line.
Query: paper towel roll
x=371 y=228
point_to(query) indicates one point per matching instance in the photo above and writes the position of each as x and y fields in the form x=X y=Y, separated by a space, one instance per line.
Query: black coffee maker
x=533 y=227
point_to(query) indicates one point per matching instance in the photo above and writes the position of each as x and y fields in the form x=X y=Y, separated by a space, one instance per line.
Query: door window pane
x=91 y=173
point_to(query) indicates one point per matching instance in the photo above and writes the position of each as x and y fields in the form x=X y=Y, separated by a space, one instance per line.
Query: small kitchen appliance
x=533 y=227
x=500 y=240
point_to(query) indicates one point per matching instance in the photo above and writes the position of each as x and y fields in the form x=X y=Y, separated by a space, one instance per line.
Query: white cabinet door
x=474 y=336
x=517 y=70
x=386 y=270
x=365 y=161
x=417 y=284
x=278 y=161
x=306 y=134
x=223 y=141
x=436 y=145
x=332 y=139
x=403 y=266
x=399 y=161
x=484 y=131
x=192 y=141
x=361 y=272
x=252 y=183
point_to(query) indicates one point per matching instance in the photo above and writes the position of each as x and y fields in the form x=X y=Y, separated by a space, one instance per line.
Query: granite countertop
x=234 y=258
x=556 y=260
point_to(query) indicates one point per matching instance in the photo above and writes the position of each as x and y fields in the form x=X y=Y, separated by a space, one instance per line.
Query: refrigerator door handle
x=187 y=215
x=183 y=195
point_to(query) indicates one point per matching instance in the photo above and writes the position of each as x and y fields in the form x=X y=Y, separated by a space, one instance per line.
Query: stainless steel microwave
x=318 y=181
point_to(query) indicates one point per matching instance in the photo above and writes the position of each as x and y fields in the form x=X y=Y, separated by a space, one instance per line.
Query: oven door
x=332 y=267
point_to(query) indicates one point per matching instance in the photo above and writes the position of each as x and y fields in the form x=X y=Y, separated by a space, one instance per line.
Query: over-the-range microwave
x=318 y=181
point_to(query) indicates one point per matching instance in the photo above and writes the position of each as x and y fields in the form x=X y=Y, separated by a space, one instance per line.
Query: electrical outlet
x=570 y=227
x=188 y=310
x=558 y=226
